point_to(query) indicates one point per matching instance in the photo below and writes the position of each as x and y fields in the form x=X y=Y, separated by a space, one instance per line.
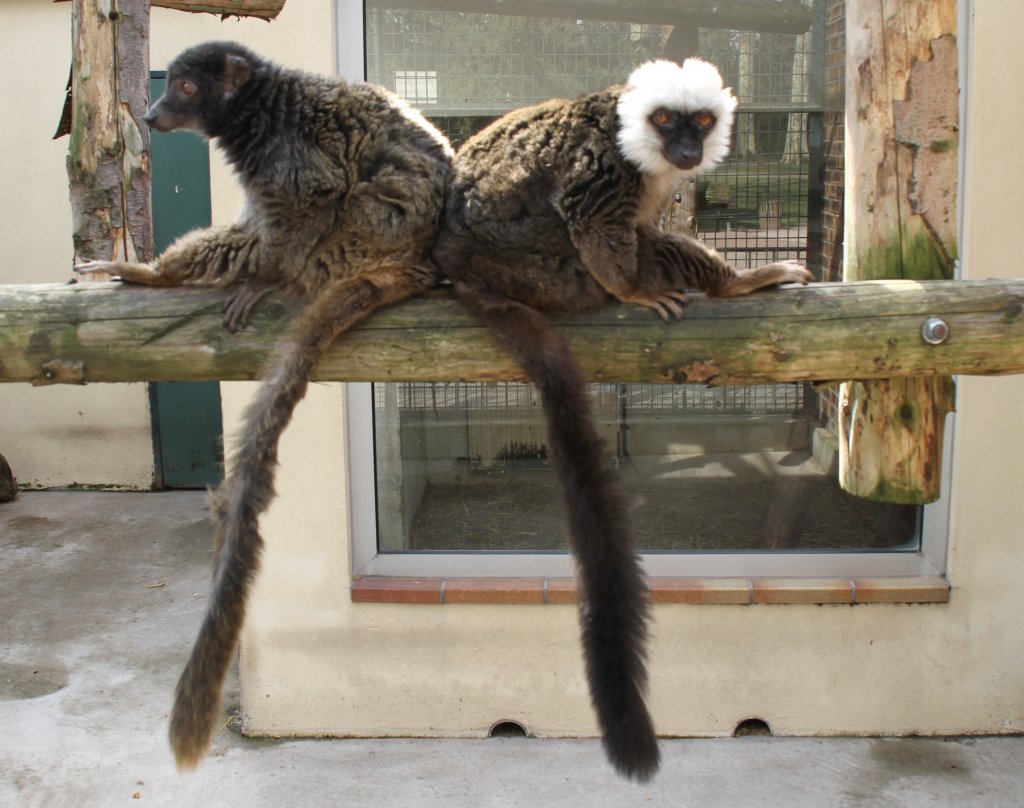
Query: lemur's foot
x=750 y=280
x=125 y=270
x=790 y=271
x=239 y=305
x=669 y=305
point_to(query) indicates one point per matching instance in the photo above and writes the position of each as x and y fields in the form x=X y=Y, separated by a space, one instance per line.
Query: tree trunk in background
x=745 y=142
x=794 y=152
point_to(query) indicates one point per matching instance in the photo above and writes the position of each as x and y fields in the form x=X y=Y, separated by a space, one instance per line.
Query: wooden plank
x=265 y=9
x=901 y=180
x=108 y=332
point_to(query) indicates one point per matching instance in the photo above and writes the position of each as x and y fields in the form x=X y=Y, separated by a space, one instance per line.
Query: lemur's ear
x=237 y=70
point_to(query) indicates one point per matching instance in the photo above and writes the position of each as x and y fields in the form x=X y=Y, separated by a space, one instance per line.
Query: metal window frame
x=929 y=560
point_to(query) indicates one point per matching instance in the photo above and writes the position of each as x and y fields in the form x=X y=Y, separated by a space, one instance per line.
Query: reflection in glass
x=464 y=467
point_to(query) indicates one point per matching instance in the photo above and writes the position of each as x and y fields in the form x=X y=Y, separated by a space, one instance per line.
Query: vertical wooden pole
x=108 y=154
x=133 y=101
x=900 y=200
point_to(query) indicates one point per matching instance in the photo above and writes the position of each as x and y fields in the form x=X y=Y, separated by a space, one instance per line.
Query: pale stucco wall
x=100 y=434
x=313 y=662
x=53 y=436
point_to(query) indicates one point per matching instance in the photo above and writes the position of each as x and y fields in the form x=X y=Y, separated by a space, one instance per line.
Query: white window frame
x=929 y=560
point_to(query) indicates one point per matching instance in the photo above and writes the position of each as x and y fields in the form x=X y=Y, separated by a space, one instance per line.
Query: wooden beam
x=108 y=332
x=768 y=16
x=901 y=181
x=265 y=9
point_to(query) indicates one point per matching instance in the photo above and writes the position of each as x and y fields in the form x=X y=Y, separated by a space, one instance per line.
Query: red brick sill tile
x=745 y=591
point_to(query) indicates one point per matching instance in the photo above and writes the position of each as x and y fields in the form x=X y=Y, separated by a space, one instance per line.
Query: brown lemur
x=553 y=208
x=344 y=196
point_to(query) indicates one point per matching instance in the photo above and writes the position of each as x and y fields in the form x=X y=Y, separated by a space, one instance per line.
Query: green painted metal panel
x=186 y=415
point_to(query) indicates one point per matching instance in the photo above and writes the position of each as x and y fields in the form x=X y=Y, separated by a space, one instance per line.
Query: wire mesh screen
x=465 y=69
x=753 y=208
x=488 y=64
x=763 y=69
x=463 y=466
x=833 y=169
x=753 y=399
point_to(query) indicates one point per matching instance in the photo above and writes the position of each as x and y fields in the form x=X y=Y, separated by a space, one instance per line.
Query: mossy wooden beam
x=109 y=332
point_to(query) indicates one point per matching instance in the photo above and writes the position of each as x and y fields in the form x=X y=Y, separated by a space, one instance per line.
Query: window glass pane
x=464 y=467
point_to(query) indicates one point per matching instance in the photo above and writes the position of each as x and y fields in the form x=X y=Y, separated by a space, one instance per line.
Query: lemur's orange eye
x=661 y=117
x=704 y=120
x=187 y=88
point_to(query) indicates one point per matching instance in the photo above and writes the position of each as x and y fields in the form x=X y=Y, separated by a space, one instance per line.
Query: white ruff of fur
x=693 y=87
x=414 y=116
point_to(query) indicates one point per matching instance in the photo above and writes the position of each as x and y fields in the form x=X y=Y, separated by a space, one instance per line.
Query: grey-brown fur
x=344 y=189
x=545 y=214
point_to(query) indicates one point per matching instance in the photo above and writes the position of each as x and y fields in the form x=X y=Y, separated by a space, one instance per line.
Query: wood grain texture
x=265 y=9
x=901 y=191
x=822 y=332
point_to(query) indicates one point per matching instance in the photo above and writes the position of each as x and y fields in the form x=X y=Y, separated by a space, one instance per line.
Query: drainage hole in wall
x=507 y=728
x=752 y=727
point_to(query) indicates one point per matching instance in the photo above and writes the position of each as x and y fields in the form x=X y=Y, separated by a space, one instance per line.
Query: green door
x=186 y=415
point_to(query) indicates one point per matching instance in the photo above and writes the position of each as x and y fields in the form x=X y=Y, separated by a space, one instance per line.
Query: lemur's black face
x=682 y=135
x=199 y=83
x=178 y=107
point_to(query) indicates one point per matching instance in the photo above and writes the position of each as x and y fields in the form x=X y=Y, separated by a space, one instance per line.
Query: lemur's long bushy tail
x=613 y=594
x=249 y=488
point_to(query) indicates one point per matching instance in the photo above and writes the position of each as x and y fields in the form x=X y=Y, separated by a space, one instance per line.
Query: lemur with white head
x=554 y=208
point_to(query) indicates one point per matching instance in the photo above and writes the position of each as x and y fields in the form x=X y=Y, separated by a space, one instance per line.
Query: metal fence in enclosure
x=464 y=69
x=483 y=65
x=456 y=63
x=754 y=399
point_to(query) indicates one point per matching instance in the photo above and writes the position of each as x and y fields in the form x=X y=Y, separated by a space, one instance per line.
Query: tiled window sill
x=743 y=591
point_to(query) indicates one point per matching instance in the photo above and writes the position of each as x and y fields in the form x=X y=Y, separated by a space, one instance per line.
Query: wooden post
x=108 y=154
x=901 y=181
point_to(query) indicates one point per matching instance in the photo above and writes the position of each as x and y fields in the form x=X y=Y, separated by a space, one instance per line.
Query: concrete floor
x=102 y=593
